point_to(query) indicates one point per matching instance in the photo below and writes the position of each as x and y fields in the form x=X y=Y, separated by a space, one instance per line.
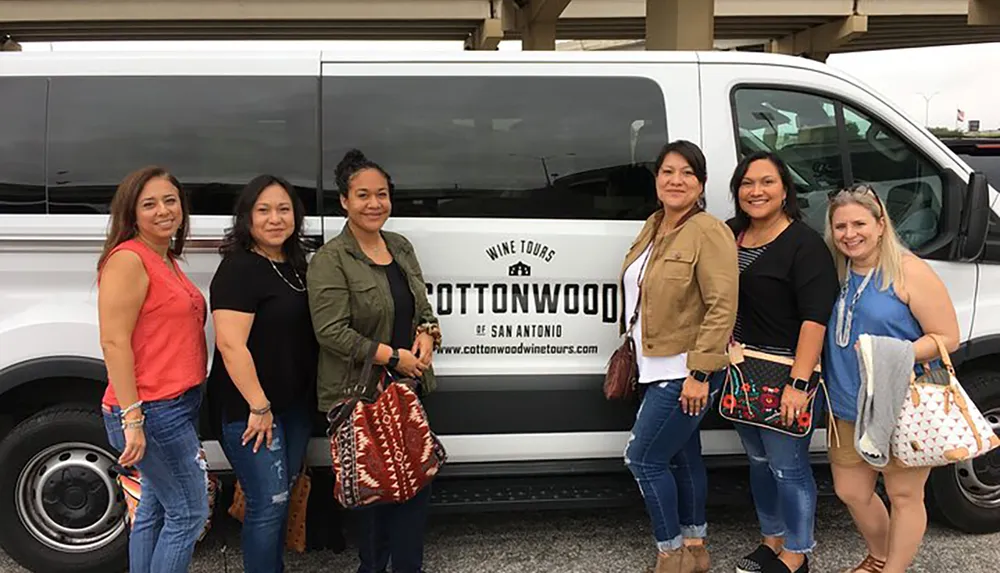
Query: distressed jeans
x=267 y=478
x=173 y=508
x=783 y=486
x=664 y=456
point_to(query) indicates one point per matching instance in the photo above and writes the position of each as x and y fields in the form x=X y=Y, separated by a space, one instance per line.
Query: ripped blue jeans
x=174 y=504
x=664 y=456
x=783 y=486
x=267 y=478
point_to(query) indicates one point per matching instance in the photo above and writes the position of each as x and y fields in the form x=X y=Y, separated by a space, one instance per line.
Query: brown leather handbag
x=622 y=374
x=298 y=501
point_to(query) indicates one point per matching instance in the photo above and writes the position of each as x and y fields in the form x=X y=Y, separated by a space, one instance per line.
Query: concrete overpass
x=812 y=28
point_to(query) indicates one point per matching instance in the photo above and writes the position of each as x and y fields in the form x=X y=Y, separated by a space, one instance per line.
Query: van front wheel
x=60 y=508
x=966 y=495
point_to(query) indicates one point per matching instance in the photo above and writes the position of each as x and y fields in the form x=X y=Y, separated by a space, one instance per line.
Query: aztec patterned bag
x=939 y=424
x=752 y=391
x=383 y=450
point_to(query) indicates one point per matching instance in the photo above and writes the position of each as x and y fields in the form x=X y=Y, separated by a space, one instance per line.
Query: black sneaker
x=778 y=566
x=755 y=562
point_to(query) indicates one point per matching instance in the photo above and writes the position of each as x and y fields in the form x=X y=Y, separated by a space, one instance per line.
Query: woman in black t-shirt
x=264 y=370
x=788 y=286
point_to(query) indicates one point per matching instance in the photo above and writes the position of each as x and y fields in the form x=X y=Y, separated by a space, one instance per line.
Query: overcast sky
x=955 y=77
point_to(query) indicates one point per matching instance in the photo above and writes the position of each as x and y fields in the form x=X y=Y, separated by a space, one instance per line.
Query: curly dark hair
x=238 y=236
x=353 y=162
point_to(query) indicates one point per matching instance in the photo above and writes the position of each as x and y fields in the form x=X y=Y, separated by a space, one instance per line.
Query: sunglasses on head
x=858 y=189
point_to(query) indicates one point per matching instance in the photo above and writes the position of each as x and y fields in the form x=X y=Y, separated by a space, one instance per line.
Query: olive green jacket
x=350 y=300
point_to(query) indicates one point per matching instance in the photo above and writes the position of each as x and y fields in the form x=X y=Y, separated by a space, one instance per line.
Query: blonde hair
x=890 y=248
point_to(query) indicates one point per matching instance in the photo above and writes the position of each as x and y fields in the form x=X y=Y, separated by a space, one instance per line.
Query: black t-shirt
x=790 y=280
x=281 y=341
x=403 y=307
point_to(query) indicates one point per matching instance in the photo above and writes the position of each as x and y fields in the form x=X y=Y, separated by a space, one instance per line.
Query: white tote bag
x=939 y=424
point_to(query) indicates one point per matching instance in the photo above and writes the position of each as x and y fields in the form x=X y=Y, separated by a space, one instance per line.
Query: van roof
x=294 y=62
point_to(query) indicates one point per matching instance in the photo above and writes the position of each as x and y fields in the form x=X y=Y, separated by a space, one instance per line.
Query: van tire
x=75 y=495
x=966 y=496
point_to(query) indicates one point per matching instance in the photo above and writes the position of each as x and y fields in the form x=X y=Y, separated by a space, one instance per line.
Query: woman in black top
x=264 y=370
x=788 y=285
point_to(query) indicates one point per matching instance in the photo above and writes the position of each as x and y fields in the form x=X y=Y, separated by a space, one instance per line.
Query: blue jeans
x=173 y=508
x=664 y=455
x=267 y=478
x=783 y=487
x=396 y=531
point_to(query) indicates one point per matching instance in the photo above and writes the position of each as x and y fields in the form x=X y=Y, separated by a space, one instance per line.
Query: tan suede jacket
x=690 y=290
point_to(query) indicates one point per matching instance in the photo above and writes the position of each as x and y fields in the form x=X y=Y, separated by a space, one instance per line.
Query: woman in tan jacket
x=680 y=284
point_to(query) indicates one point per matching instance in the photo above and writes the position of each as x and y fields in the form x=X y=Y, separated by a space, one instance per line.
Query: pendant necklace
x=302 y=285
x=843 y=327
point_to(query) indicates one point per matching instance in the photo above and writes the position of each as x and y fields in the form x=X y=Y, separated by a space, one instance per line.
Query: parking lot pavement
x=603 y=541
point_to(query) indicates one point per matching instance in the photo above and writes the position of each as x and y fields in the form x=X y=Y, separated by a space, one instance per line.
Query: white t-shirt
x=651 y=368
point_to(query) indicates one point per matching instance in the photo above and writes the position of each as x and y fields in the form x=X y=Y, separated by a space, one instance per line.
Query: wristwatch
x=799 y=384
x=394 y=359
x=700 y=375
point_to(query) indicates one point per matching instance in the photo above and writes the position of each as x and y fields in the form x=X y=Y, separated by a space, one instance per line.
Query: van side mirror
x=975 y=220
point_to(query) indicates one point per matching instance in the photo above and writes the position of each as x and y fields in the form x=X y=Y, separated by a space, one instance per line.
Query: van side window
x=525 y=147
x=22 y=145
x=214 y=133
x=802 y=128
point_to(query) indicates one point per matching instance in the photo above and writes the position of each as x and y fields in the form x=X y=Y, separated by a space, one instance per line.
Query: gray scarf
x=886 y=370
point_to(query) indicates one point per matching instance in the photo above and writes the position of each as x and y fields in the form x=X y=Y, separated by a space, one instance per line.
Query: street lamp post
x=927 y=106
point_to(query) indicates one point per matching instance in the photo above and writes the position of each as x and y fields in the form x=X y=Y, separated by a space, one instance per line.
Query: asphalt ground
x=605 y=541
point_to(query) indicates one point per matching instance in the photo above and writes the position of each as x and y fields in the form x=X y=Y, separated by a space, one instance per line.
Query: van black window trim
x=33 y=190
x=332 y=145
x=309 y=187
x=938 y=248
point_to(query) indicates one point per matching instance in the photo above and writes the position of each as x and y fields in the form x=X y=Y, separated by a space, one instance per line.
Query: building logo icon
x=519 y=269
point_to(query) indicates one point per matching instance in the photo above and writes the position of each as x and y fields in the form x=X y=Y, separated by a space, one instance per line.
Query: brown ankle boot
x=676 y=561
x=702 y=560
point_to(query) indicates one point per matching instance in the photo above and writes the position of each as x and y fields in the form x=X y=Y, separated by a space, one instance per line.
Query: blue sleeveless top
x=877 y=312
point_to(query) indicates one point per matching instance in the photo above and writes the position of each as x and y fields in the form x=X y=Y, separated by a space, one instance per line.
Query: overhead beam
x=984 y=12
x=680 y=24
x=817 y=43
x=486 y=36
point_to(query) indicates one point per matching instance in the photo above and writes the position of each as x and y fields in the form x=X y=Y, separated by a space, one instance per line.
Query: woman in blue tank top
x=885 y=291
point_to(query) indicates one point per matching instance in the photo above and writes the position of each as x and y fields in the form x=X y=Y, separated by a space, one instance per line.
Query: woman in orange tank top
x=152 y=328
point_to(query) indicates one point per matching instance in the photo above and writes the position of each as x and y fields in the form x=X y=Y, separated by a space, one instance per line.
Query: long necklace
x=302 y=285
x=843 y=327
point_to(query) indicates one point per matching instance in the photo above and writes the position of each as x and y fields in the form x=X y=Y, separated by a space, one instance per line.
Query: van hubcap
x=979 y=479
x=67 y=499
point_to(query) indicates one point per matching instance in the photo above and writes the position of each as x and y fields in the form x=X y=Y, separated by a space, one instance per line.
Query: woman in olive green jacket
x=366 y=285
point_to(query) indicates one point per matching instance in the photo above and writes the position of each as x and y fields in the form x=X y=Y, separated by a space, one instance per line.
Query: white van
x=521 y=179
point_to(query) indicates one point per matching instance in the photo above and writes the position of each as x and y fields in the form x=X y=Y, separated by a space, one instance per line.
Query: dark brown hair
x=124 y=225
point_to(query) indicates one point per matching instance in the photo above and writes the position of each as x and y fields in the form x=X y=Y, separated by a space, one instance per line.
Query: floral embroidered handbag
x=752 y=391
x=938 y=423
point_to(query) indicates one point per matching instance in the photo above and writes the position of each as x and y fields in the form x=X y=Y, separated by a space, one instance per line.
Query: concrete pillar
x=536 y=21
x=539 y=35
x=7 y=44
x=680 y=24
x=984 y=13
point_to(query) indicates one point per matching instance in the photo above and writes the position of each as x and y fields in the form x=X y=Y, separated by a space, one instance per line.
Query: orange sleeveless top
x=168 y=342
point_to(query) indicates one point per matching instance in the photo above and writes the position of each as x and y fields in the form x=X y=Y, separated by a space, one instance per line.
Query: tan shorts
x=846 y=455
